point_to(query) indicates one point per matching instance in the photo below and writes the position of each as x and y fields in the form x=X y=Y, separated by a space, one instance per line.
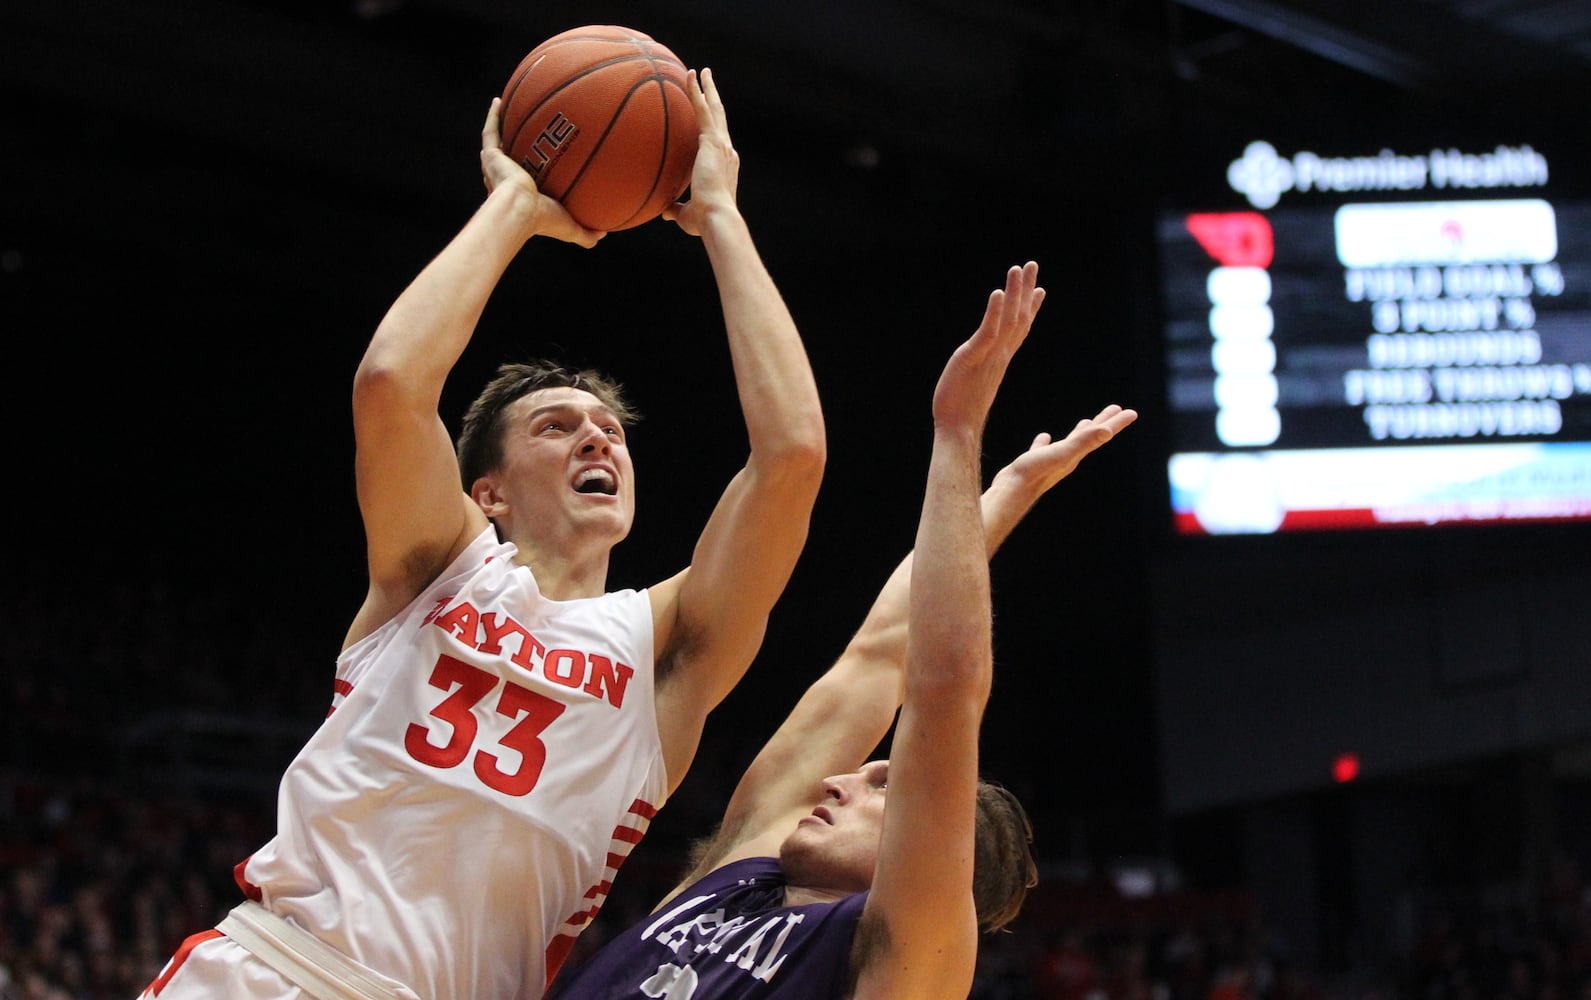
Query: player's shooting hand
x=716 y=173
x=1047 y=462
x=498 y=169
x=971 y=378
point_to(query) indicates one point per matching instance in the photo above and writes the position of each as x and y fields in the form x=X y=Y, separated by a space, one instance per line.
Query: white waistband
x=309 y=963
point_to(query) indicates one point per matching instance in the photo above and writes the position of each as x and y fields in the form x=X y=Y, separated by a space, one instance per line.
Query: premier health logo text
x=1263 y=175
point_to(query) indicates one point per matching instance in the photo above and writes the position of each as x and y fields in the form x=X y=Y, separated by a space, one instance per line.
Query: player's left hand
x=1047 y=461
x=715 y=176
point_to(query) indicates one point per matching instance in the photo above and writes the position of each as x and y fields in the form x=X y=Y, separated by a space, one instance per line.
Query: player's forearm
x=1005 y=503
x=950 y=602
x=778 y=395
x=880 y=642
x=427 y=328
x=882 y=636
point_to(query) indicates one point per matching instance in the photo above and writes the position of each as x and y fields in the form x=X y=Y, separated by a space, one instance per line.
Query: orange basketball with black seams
x=601 y=117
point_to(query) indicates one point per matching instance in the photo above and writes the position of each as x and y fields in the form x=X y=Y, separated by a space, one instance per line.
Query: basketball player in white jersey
x=504 y=726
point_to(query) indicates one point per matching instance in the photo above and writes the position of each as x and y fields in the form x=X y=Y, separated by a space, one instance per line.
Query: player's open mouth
x=596 y=481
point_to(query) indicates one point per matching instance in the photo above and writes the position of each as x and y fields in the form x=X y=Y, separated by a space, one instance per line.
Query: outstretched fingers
x=973 y=375
x=1010 y=311
x=1092 y=432
x=715 y=175
x=1113 y=419
x=709 y=104
x=1047 y=461
x=1023 y=296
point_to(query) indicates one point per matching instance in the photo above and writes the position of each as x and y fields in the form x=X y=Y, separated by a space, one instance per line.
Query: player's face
x=566 y=465
x=836 y=846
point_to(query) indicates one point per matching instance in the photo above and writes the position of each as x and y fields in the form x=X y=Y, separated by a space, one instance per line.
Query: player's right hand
x=1047 y=461
x=498 y=169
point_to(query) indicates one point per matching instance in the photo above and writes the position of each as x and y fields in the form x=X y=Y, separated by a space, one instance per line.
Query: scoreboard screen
x=1391 y=341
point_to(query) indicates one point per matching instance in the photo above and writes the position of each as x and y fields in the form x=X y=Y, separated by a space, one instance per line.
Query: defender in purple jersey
x=811 y=887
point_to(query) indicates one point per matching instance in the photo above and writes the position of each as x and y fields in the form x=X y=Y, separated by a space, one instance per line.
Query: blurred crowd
x=120 y=826
x=101 y=883
x=100 y=886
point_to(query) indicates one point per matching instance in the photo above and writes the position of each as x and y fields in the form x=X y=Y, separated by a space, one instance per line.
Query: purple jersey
x=728 y=936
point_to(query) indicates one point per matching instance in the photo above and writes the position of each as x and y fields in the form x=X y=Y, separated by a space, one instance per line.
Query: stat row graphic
x=1378 y=364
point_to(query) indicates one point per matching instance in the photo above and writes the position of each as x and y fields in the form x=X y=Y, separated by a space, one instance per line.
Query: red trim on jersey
x=643 y=809
x=557 y=953
x=339 y=689
x=559 y=947
x=188 y=944
x=249 y=888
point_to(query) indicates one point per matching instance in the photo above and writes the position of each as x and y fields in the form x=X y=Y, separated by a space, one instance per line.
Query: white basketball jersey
x=490 y=760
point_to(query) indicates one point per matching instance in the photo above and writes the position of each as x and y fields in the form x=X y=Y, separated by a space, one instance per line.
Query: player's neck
x=566 y=576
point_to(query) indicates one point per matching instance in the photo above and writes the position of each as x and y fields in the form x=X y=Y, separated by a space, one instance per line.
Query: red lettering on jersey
x=533 y=713
x=597 y=675
x=608 y=679
x=566 y=666
x=530 y=649
x=441 y=602
x=466 y=686
x=493 y=635
x=460 y=622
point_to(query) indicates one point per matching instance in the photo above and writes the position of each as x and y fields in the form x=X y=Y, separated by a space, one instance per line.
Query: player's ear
x=487 y=498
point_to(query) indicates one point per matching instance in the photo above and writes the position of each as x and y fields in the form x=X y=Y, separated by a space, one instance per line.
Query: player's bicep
x=415 y=513
x=739 y=567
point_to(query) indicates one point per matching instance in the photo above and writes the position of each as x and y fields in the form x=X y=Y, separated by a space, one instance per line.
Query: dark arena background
x=1293 y=676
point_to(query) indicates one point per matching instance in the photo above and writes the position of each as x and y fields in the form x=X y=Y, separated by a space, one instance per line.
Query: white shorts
x=210 y=964
x=255 y=953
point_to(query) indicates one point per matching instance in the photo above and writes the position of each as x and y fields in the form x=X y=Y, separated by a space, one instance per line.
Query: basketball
x=601 y=117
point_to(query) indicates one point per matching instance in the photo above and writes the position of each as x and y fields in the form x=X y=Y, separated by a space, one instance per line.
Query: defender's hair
x=1003 y=869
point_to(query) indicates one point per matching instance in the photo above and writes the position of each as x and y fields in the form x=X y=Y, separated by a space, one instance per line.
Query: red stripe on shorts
x=188 y=944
